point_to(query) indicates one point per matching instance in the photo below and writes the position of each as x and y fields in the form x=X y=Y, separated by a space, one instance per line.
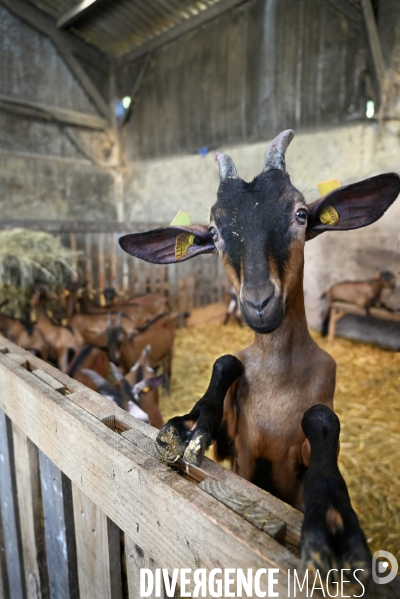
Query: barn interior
x=111 y=113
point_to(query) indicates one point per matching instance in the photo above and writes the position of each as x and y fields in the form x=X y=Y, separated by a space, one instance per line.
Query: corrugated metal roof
x=118 y=26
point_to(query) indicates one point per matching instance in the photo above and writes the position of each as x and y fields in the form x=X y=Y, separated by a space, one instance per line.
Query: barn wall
x=259 y=68
x=155 y=190
x=46 y=168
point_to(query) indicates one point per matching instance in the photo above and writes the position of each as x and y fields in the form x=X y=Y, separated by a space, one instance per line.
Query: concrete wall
x=155 y=190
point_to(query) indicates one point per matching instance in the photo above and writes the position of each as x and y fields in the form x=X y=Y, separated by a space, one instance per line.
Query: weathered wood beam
x=136 y=87
x=37 y=19
x=74 y=13
x=63 y=115
x=206 y=15
x=348 y=9
x=375 y=47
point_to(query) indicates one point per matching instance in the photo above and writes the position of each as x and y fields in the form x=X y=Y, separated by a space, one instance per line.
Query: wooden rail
x=340 y=309
x=78 y=475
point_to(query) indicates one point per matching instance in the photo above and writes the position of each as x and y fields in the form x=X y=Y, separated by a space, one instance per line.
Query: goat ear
x=168 y=244
x=353 y=206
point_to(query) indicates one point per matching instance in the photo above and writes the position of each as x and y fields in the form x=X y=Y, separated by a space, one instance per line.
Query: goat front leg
x=331 y=536
x=190 y=435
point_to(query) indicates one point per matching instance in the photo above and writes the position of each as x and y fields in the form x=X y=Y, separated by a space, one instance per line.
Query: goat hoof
x=194 y=452
x=172 y=439
x=327 y=556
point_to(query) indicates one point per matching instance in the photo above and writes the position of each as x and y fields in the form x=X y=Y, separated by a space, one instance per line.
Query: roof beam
x=375 y=48
x=43 y=23
x=187 y=25
x=52 y=113
x=74 y=13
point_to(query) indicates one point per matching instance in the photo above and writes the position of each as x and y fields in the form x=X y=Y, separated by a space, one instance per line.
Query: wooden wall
x=254 y=71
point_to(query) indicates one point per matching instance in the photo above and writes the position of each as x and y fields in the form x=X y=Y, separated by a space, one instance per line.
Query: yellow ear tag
x=327 y=186
x=182 y=244
x=181 y=219
x=330 y=215
x=146 y=389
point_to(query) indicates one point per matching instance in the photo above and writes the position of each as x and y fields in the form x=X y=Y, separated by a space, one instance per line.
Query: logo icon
x=381 y=566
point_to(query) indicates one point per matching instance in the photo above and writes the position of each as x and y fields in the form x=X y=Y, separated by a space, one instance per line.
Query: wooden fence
x=101 y=261
x=86 y=503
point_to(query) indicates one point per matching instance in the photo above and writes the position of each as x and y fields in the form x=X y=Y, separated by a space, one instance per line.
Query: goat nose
x=259 y=305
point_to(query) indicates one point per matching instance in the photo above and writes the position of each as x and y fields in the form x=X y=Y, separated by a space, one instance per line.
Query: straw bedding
x=367 y=402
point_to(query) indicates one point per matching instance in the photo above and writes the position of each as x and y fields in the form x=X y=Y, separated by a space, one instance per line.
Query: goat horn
x=118 y=321
x=109 y=320
x=275 y=157
x=227 y=168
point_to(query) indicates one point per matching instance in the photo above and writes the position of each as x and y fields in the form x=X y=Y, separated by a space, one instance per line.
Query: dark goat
x=255 y=402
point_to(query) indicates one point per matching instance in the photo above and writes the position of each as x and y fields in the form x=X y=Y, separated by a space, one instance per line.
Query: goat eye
x=213 y=233
x=301 y=216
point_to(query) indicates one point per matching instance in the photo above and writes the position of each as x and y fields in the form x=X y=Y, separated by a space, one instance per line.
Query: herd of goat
x=123 y=340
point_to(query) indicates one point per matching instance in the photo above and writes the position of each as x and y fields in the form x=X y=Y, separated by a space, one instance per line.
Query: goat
x=25 y=334
x=255 y=402
x=101 y=331
x=149 y=402
x=64 y=342
x=124 y=395
x=159 y=334
x=93 y=358
x=364 y=294
x=233 y=308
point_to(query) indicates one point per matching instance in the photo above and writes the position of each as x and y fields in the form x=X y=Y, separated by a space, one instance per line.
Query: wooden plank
x=180 y=29
x=97 y=548
x=133 y=489
x=57 y=226
x=136 y=559
x=63 y=115
x=59 y=530
x=16 y=357
x=47 y=378
x=248 y=509
x=65 y=44
x=3 y=566
x=348 y=9
x=9 y=511
x=27 y=478
x=374 y=45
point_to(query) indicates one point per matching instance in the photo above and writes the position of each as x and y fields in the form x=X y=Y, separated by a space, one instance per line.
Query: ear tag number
x=182 y=245
x=329 y=216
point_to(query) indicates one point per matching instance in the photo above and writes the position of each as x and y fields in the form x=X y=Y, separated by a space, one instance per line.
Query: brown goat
x=24 y=334
x=160 y=335
x=149 y=401
x=93 y=358
x=364 y=294
x=270 y=408
x=64 y=342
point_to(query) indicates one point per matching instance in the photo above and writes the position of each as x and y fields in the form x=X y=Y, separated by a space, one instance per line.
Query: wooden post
x=59 y=531
x=27 y=477
x=97 y=548
x=9 y=511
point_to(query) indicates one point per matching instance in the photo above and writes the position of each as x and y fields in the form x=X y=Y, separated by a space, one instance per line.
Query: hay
x=366 y=401
x=26 y=259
